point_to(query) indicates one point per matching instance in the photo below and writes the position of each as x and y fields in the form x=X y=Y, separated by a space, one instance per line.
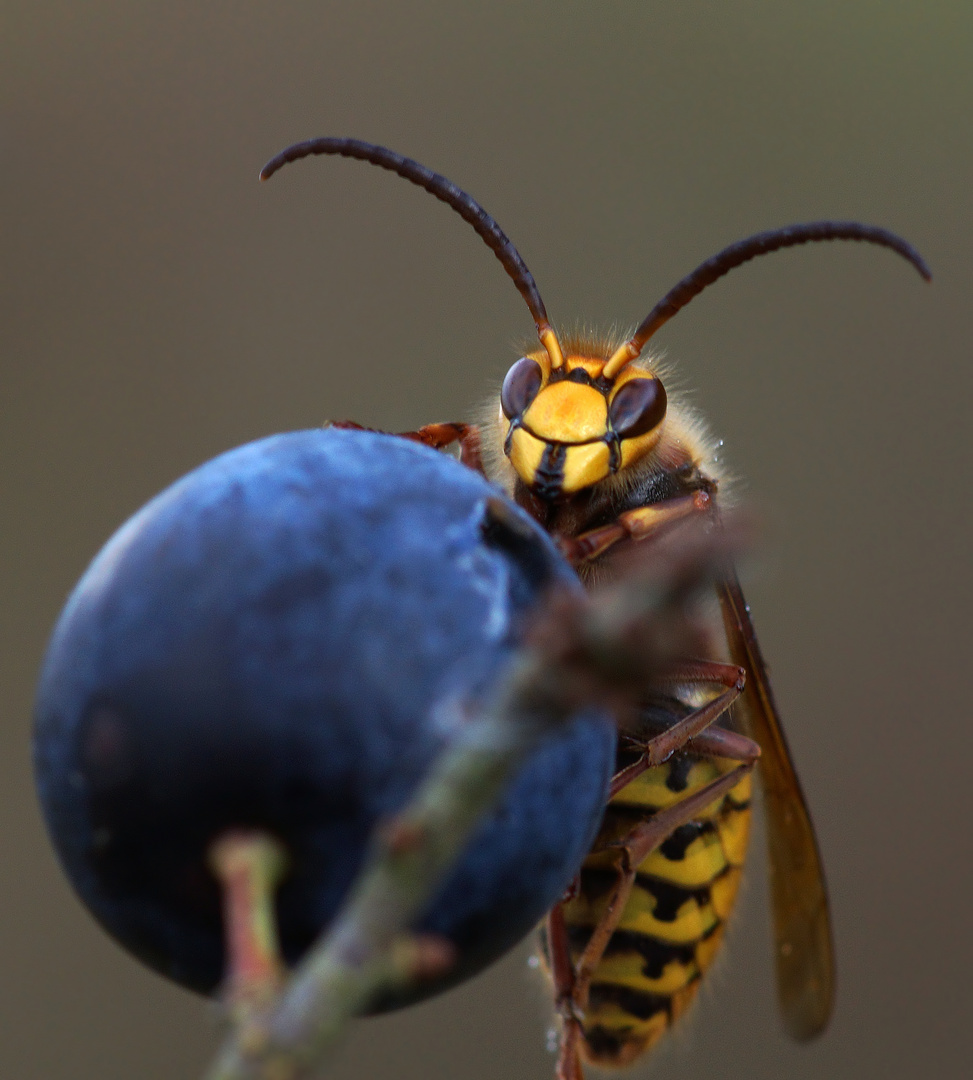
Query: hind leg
x=572 y=979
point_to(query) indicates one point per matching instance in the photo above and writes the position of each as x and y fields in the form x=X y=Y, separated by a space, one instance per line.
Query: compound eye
x=520 y=387
x=638 y=407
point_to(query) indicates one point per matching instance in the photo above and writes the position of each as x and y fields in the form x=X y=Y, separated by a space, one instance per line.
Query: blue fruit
x=268 y=644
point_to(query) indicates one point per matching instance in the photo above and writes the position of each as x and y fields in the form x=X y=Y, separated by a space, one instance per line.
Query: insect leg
x=718 y=742
x=562 y=975
x=573 y=982
x=696 y=725
x=438 y=436
x=633 y=849
x=638 y=524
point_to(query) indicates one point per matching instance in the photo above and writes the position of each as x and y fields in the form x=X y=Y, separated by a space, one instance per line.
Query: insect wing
x=802 y=926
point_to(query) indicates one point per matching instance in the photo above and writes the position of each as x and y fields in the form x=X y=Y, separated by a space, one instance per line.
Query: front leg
x=642 y=523
x=438 y=436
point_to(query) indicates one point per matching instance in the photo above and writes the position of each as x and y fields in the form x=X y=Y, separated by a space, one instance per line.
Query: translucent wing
x=802 y=927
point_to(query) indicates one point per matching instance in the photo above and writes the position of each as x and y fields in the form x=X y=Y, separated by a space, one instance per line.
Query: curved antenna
x=464 y=205
x=742 y=251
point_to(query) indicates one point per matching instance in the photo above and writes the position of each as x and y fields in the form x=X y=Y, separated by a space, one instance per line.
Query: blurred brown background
x=158 y=306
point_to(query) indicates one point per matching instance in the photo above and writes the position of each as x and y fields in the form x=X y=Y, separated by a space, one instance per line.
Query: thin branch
x=578 y=651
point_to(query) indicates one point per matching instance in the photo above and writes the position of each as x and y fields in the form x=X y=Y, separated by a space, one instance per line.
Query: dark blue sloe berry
x=268 y=644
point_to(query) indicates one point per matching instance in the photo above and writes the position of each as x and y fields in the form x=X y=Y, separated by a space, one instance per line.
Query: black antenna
x=744 y=250
x=464 y=205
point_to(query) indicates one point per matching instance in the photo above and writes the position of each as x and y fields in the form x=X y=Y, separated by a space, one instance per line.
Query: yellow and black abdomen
x=674 y=919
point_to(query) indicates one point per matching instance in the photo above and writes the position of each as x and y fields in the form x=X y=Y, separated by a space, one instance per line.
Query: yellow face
x=567 y=428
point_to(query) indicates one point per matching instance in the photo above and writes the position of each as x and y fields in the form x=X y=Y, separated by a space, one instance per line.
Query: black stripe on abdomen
x=656 y=954
x=636 y=1003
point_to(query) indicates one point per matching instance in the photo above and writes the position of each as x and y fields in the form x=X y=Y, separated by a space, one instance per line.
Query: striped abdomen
x=672 y=924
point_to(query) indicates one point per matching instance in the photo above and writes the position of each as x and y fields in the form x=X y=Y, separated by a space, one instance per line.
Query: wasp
x=588 y=440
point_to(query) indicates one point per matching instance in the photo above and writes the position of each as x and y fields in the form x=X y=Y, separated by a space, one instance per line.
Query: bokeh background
x=158 y=305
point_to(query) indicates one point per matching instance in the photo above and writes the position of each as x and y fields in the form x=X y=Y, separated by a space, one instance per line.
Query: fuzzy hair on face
x=685 y=433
